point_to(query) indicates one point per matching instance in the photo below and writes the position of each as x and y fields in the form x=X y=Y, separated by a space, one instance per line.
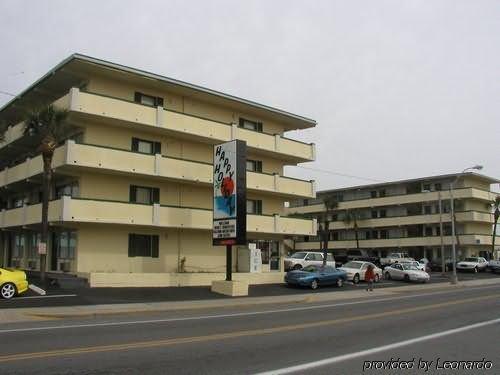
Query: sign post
x=229 y=198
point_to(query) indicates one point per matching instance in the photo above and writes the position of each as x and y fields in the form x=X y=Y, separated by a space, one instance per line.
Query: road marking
x=231 y=335
x=37 y=297
x=364 y=353
x=230 y=315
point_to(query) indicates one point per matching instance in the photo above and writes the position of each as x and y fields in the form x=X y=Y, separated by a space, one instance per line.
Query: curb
x=95 y=311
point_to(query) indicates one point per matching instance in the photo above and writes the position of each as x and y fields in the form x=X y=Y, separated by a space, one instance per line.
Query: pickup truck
x=395 y=257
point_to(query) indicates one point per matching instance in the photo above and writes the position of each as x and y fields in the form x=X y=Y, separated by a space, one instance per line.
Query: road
x=347 y=336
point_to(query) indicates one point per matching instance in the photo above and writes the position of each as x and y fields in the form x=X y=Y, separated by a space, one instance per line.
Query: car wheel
x=297 y=267
x=8 y=290
x=387 y=275
x=355 y=279
x=377 y=278
x=340 y=283
x=314 y=284
x=407 y=278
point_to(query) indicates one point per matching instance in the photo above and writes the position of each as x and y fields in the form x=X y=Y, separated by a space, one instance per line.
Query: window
x=383 y=213
x=374 y=234
x=70 y=189
x=19 y=202
x=34 y=240
x=427 y=210
x=153 y=101
x=374 y=214
x=335 y=236
x=66 y=244
x=254 y=206
x=18 y=248
x=383 y=233
x=437 y=186
x=250 y=125
x=428 y=231
x=427 y=187
x=254 y=166
x=142 y=245
x=381 y=193
x=368 y=235
x=144 y=195
x=146 y=147
x=438 y=231
x=373 y=194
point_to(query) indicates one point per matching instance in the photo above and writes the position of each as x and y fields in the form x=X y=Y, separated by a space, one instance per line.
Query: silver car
x=406 y=272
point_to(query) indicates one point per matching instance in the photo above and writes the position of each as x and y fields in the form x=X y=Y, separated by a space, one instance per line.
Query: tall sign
x=229 y=198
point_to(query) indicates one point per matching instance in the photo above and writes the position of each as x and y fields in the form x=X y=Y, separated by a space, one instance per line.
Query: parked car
x=302 y=259
x=406 y=272
x=356 y=271
x=418 y=265
x=436 y=265
x=494 y=265
x=395 y=257
x=360 y=254
x=474 y=264
x=12 y=282
x=315 y=276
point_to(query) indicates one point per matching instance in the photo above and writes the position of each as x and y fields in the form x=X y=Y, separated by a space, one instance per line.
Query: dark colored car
x=435 y=265
x=356 y=255
x=315 y=276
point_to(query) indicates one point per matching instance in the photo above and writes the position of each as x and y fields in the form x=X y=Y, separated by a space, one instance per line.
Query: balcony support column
x=314 y=227
x=160 y=116
x=277 y=140
x=234 y=130
x=68 y=152
x=156 y=214
x=313 y=151
x=5 y=177
x=313 y=188
x=2 y=218
x=66 y=208
x=276 y=182
x=158 y=164
x=277 y=223
x=74 y=94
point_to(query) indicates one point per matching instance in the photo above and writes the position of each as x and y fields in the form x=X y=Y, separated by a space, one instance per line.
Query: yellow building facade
x=405 y=216
x=131 y=201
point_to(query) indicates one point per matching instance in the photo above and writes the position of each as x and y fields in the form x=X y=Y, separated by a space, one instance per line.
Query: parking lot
x=95 y=296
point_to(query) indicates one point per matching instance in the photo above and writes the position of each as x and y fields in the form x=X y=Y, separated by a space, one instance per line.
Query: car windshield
x=471 y=259
x=353 y=265
x=310 y=269
x=298 y=255
x=410 y=267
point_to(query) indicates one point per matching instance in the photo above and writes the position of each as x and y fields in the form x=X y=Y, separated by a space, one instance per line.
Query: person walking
x=369 y=277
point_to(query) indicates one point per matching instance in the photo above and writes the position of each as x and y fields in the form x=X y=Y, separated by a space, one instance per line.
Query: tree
x=351 y=216
x=47 y=126
x=330 y=203
x=496 y=215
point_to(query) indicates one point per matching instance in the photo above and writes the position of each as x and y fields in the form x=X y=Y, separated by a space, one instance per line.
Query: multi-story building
x=404 y=216
x=131 y=201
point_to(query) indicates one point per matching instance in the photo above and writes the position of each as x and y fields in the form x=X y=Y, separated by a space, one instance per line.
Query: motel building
x=131 y=198
x=411 y=216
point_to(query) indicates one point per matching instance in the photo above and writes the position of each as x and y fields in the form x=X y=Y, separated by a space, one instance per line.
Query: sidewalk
x=50 y=313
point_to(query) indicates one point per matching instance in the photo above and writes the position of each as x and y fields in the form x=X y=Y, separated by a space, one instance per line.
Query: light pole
x=454 y=278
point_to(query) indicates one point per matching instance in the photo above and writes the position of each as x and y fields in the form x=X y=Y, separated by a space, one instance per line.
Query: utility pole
x=443 y=264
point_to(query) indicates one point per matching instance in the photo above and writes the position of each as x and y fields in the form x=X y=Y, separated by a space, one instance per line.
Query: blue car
x=315 y=276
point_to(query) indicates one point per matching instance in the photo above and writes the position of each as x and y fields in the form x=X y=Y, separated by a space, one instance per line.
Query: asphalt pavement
x=320 y=337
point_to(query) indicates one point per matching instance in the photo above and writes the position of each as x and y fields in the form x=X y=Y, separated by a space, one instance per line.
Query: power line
x=340 y=174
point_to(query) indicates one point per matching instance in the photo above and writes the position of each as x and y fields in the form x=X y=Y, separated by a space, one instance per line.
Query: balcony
x=465 y=239
x=67 y=210
x=395 y=200
x=462 y=217
x=109 y=160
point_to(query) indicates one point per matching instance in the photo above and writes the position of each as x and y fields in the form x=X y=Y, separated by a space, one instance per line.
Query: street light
x=454 y=278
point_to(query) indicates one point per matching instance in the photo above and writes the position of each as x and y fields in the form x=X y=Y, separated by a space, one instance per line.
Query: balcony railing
x=67 y=209
x=465 y=239
x=156 y=166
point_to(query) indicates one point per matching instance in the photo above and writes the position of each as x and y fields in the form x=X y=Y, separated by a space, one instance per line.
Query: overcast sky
x=400 y=89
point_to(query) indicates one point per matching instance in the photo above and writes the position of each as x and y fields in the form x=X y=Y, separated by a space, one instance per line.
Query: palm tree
x=330 y=203
x=496 y=215
x=351 y=216
x=49 y=127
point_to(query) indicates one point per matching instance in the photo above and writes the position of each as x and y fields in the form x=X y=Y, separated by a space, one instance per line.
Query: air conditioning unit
x=32 y=264
x=65 y=266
